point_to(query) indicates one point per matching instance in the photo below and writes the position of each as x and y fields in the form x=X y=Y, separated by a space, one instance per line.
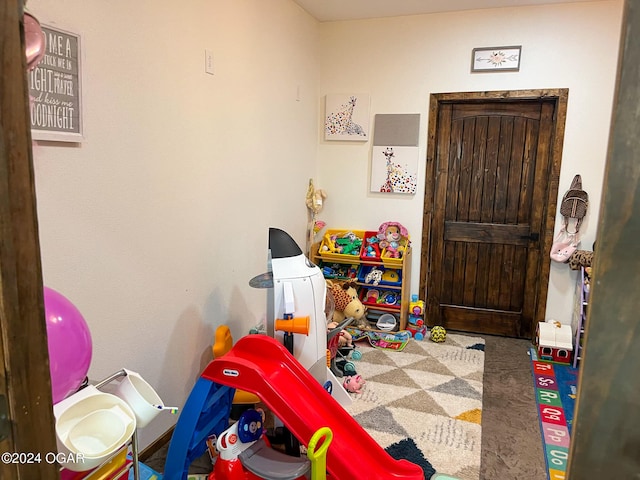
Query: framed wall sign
x=496 y=59
x=55 y=90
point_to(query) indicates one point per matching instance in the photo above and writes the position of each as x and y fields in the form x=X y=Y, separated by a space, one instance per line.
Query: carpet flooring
x=511 y=442
x=428 y=396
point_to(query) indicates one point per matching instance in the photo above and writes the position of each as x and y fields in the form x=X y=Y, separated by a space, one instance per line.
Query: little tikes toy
x=317 y=452
x=262 y=365
x=245 y=454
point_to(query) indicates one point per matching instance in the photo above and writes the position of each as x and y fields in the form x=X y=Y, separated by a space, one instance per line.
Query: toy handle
x=318 y=457
x=328 y=386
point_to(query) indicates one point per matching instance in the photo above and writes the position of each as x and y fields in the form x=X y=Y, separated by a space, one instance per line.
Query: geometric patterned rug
x=424 y=403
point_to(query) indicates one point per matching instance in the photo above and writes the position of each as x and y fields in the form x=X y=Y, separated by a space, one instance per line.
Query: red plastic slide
x=260 y=365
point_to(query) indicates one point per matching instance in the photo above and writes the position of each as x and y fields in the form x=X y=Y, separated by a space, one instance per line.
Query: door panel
x=485 y=215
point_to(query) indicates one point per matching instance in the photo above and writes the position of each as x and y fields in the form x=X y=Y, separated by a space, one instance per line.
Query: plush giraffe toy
x=347 y=303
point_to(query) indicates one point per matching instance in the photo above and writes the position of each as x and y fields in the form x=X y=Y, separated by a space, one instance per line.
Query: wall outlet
x=208 y=62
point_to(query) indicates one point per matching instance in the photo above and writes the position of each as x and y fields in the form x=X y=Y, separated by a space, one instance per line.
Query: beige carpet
x=429 y=392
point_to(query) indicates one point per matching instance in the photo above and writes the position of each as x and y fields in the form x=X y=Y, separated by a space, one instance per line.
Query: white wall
x=154 y=224
x=401 y=61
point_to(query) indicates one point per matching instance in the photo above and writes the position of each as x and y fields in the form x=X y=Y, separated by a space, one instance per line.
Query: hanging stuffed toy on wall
x=315 y=202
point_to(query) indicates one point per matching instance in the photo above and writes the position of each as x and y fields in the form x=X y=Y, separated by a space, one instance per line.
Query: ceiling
x=334 y=10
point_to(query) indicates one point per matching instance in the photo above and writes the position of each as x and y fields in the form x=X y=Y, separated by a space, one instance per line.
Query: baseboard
x=156 y=445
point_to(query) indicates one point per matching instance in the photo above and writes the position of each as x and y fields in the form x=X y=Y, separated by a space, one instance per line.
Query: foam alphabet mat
x=555 y=388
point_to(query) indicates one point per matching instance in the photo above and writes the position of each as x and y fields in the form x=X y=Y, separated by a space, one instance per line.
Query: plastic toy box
x=339 y=271
x=395 y=262
x=364 y=253
x=381 y=297
x=328 y=250
x=390 y=276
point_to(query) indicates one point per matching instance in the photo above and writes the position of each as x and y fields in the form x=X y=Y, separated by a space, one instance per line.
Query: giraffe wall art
x=347 y=117
x=394 y=169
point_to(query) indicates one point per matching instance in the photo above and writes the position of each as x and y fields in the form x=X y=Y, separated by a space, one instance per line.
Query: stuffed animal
x=392 y=237
x=347 y=303
x=374 y=276
x=354 y=384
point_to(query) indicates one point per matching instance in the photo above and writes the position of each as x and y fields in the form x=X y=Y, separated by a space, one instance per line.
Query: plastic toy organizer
x=383 y=282
x=360 y=246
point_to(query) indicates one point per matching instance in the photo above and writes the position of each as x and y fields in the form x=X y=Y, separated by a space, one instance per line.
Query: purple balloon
x=69 y=341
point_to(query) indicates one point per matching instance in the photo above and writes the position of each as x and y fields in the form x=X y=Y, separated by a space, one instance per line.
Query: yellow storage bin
x=392 y=262
x=335 y=242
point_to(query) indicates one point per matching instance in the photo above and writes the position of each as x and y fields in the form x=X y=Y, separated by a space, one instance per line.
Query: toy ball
x=438 y=334
x=69 y=344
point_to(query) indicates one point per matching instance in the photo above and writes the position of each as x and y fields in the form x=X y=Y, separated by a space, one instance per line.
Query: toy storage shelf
x=403 y=266
x=582 y=302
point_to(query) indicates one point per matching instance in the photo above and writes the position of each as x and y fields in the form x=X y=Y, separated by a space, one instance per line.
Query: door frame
x=559 y=97
x=26 y=413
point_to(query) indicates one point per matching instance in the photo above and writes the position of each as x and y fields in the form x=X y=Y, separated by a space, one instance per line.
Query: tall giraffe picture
x=394 y=156
x=394 y=169
x=347 y=117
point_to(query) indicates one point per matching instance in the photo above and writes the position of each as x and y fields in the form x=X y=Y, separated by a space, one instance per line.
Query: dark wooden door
x=493 y=177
